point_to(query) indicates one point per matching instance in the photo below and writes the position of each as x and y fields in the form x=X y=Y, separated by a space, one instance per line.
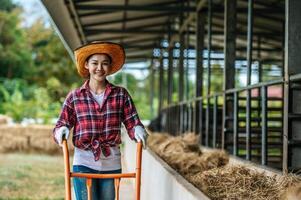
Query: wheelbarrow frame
x=68 y=175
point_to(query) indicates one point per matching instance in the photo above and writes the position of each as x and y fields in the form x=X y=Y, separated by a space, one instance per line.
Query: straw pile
x=184 y=154
x=28 y=139
x=293 y=193
x=210 y=172
x=240 y=182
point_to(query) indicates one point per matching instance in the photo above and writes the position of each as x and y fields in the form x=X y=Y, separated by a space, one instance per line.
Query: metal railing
x=247 y=122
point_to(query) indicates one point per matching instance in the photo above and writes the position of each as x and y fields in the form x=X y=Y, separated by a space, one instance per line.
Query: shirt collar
x=85 y=86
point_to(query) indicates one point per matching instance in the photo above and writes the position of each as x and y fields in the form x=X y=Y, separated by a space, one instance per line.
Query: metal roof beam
x=175 y=9
x=130 y=19
x=90 y=32
x=106 y=12
x=147 y=25
x=131 y=38
x=130 y=31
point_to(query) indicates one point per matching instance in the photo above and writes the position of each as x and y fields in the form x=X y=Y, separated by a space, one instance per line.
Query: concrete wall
x=159 y=181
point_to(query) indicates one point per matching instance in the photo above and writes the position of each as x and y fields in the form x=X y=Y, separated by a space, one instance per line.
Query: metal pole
x=187 y=65
x=209 y=45
x=249 y=70
x=170 y=66
x=187 y=60
x=200 y=21
x=207 y=122
x=264 y=125
x=181 y=62
x=292 y=96
x=152 y=86
x=169 y=77
x=214 y=121
x=208 y=71
x=235 y=124
x=229 y=65
x=161 y=83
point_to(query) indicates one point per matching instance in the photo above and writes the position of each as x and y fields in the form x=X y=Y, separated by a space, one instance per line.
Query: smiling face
x=99 y=66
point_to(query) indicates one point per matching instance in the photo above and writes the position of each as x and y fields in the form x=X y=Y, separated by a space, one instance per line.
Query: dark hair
x=110 y=59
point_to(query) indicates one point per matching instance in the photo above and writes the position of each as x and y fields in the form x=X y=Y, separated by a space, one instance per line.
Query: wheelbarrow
x=68 y=175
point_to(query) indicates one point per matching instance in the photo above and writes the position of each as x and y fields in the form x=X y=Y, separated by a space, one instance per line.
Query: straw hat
x=114 y=50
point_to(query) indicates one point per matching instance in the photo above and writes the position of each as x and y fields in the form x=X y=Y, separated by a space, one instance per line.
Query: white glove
x=141 y=135
x=62 y=132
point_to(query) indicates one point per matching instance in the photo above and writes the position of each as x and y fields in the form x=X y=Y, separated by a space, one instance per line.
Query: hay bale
x=4 y=119
x=29 y=139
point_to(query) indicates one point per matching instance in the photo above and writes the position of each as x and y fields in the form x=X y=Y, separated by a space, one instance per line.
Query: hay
x=156 y=138
x=28 y=139
x=184 y=154
x=293 y=193
x=210 y=172
x=4 y=119
x=216 y=158
x=189 y=163
x=165 y=144
x=240 y=182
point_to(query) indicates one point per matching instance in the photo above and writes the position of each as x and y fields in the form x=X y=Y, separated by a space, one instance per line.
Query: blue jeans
x=102 y=189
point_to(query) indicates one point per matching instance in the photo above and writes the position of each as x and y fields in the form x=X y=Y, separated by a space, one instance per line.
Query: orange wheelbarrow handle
x=136 y=175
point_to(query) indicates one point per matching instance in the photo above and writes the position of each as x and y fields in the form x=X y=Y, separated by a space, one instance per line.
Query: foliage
x=7 y=5
x=36 y=72
x=32 y=102
x=15 y=59
x=138 y=90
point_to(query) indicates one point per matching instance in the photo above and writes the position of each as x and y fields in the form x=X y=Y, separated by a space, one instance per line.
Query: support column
x=169 y=79
x=152 y=86
x=181 y=75
x=181 y=63
x=161 y=82
x=292 y=88
x=200 y=30
x=208 y=72
x=229 y=69
x=187 y=64
x=249 y=71
x=170 y=68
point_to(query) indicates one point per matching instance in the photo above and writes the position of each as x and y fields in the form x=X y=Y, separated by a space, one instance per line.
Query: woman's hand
x=141 y=135
x=62 y=133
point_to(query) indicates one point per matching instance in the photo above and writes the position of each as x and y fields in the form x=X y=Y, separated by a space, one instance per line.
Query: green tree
x=15 y=59
x=7 y=5
x=53 y=67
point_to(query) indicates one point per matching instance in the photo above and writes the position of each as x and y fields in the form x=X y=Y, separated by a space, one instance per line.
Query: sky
x=34 y=10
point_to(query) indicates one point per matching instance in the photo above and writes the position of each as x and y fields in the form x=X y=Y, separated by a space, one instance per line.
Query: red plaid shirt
x=97 y=127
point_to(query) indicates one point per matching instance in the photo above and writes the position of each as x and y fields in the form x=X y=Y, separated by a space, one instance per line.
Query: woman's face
x=99 y=66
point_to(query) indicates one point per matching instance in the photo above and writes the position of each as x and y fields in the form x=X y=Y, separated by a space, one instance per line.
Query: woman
x=95 y=111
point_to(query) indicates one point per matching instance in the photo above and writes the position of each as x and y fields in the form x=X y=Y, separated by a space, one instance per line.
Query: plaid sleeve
x=67 y=116
x=130 y=117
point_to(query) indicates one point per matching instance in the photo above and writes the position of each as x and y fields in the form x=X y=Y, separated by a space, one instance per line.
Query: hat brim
x=114 y=50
